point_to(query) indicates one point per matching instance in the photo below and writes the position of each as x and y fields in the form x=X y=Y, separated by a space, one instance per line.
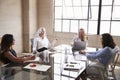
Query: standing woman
x=8 y=54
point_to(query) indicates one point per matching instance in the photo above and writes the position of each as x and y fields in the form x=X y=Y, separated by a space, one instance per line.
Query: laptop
x=78 y=45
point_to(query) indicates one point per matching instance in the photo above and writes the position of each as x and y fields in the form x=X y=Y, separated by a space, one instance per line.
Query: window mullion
x=99 y=16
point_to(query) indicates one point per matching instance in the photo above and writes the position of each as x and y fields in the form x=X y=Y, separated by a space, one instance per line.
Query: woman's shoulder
x=115 y=49
x=6 y=52
x=75 y=37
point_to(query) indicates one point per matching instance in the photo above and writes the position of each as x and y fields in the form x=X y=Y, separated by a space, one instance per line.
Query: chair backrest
x=31 y=41
x=114 y=58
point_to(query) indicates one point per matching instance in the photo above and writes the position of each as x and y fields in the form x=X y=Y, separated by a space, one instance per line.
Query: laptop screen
x=79 y=45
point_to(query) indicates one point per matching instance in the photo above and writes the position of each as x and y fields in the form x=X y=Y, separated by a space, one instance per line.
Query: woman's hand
x=31 y=57
x=42 y=56
x=34 y=52
x=82 y=52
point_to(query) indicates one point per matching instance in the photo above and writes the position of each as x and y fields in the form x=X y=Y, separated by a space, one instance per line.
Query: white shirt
x=39 y=43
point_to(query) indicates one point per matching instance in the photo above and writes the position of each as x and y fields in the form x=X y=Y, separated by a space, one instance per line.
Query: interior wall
x=19 y=17
x=33 y=17
x=10 y=21
x=25 y=24
x=45 y=15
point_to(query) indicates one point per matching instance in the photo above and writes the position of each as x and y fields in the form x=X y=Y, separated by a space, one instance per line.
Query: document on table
x=79 y=57
x=38 y=67
x=72 y=66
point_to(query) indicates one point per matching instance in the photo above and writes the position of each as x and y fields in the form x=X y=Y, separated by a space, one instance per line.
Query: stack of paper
x=38 y=67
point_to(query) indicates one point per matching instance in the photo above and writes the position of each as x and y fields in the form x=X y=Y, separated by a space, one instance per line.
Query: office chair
x=111 y=67
x=3 y=72
x=31 y=41
x=106 y=72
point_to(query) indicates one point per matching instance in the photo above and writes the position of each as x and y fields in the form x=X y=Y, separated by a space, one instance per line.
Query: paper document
x=79 y=57
x=72 y=66
x=38 y=67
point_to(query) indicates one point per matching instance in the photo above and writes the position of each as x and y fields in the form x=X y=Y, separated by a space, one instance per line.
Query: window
x=110 y=17
x=69 y=15
x=95 y=18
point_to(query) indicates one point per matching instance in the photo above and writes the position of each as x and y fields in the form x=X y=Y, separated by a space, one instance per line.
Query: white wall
x=10 y=20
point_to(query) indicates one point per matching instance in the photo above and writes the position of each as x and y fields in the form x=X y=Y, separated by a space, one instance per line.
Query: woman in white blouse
x=39 y=42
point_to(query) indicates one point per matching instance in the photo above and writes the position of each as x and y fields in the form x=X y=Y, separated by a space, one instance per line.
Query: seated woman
x=101 y=57
x=79 y=41
x=8 y=54
x=40 y=44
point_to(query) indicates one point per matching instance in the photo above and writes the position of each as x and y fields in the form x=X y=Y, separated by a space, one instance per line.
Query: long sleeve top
x=39 y=43
x=103 y=55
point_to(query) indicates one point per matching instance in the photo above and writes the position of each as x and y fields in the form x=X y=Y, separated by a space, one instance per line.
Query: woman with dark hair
x=100 y=57
x=8 y=54
x=107 y=40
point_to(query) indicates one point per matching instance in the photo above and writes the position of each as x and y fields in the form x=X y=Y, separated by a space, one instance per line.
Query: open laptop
x=79 y=45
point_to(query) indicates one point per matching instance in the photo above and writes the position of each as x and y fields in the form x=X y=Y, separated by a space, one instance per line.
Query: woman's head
x=7 y=41
x=107 y=40
x=41 y=32
x=81 y=34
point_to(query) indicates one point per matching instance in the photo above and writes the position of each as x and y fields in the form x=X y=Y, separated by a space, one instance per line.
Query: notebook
x=41 y=49
x=38 y=67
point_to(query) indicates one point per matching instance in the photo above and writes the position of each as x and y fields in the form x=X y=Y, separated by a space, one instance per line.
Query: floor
x=117 y=72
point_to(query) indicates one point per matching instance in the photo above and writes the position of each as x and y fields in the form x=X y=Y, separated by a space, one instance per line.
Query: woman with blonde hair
x=81 y=34
x=79 y=41
x=40 y=30
x=41 y=42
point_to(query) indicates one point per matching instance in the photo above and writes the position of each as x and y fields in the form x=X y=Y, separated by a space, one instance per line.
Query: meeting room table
x=63 y=65
x=67 y=66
